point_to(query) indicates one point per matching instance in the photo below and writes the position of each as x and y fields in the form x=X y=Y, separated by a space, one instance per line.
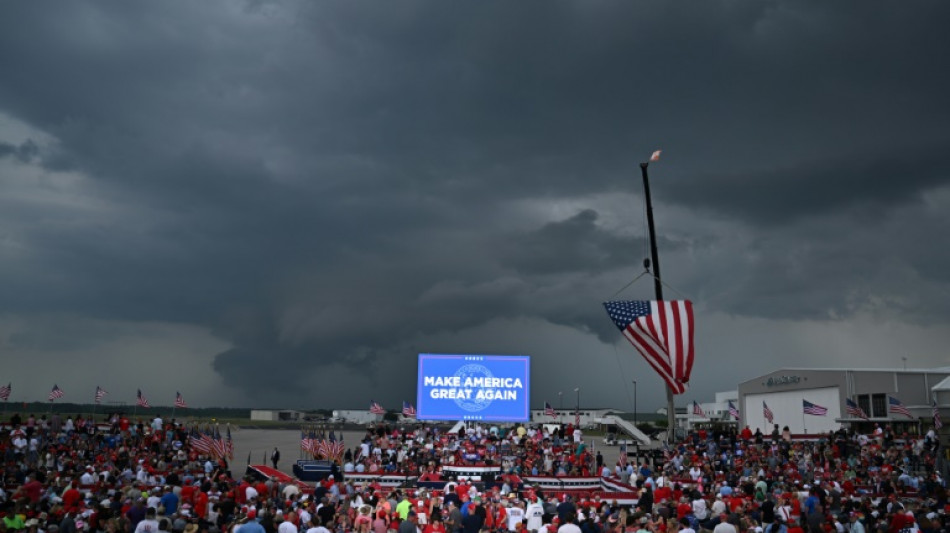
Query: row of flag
x=376 y=408
x=329 y=448
x=549 y=411
x=57 y=393
x=809 y=408
x=210 y=442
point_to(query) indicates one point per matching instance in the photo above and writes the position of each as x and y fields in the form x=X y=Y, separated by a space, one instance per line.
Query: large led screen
x=473 y=387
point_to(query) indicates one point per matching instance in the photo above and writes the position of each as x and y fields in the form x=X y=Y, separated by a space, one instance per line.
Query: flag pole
x=658 y=288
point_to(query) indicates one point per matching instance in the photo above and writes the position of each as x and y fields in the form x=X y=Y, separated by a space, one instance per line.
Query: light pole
x=635 y=403
x=560 y=407
x=577 y=408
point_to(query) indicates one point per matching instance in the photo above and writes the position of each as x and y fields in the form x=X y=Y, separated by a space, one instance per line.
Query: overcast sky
x=283 y=203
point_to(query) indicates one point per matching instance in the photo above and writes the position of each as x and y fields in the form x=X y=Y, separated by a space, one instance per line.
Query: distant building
x=785 y=392
x=716 y=412
x=356 y=416
x=276 y=415
x=588 y=417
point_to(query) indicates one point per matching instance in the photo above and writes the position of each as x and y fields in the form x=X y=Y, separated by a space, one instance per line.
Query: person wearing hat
x=250 y=525
x=475 y=519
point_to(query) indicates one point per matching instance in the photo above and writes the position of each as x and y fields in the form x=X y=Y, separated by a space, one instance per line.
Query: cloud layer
x=287 y=201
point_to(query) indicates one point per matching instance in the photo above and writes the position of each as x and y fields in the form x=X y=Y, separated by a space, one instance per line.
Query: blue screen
x=473 y=387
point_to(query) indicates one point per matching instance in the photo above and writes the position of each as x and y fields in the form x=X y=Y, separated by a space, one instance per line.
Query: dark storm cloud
x=23 y=152
x=325 y=186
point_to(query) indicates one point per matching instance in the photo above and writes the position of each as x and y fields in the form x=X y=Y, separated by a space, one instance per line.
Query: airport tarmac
x=257 y=445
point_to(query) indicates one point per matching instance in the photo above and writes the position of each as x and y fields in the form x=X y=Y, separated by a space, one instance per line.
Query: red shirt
x=201 y=504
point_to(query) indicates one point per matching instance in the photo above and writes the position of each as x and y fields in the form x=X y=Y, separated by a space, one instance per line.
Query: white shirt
x=286 y=527
x=725 y=527
x=515 y=516
x=147 y=526
x=699 y=509
x=535 y=513
x=569 y=528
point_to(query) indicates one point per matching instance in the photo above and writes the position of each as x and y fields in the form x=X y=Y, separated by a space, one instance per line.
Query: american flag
x=55 y=393
x=5 y=391
x=697 y=410
x=229 y=445
x=854 y=409
x=936 y=414
x=200 y=442
x=304 y=441
x=656 y=156
x=895 y=406
x=662 y=331
x=141 y=401
x=375 y=408
x=733 y=410
x=623 y=456
x=100 y=394
x=814 y=408
x=179 y=401
x=769 y=415
x=548 y=410
x=407 y=410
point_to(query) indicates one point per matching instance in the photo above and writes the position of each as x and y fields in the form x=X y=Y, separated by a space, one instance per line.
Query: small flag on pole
x=5 y=391
x=854 y=409
x=936 y=414
x=55 y=393
x=895 y=406
x=408 y=411
x=767 y=413
x=548 y=410
x=656 y=156
x=697 y=410
x=733 y=410
x=813 y=408
x=100 y=394
x=179 y=401
x=376 y=408
x=141 y=401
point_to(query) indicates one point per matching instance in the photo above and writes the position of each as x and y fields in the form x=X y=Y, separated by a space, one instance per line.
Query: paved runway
x=259 y=443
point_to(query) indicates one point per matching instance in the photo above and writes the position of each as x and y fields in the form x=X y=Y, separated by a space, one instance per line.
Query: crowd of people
x=76 y=476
